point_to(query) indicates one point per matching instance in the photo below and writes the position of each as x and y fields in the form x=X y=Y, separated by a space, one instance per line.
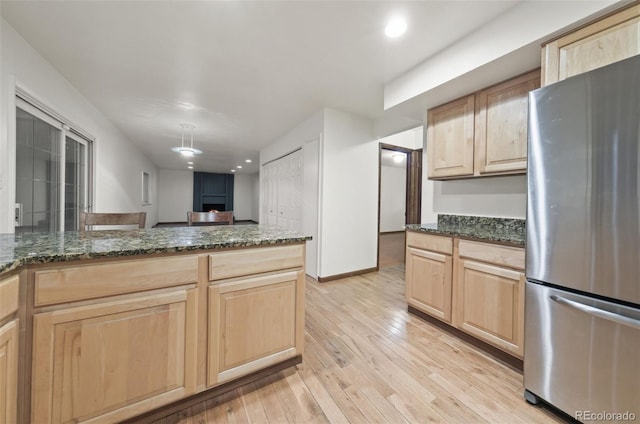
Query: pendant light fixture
x=187 y=149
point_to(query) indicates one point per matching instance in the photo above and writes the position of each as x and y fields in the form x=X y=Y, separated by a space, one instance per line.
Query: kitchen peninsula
x=468 y=272
x=103 y=326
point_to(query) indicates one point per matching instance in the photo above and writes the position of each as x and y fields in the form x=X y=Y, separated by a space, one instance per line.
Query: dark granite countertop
x=501 y=230
x=17 y=250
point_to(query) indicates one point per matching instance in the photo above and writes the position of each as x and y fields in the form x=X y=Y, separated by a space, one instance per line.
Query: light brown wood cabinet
x=489 y=294
x=254 y=322
x=113 y=339
x=256 y=310
x=8 y=371
x=476 y=287
x=117 y=338
x=429 y=274
x=114 y=359
x=484 y=133
x=608 y=40
x=450 y=139
x=8 y=349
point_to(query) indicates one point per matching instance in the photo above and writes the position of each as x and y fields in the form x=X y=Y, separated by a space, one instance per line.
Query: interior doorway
x=399 y=200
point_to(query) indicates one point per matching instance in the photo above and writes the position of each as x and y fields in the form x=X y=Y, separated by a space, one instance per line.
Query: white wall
x=522 y=27
x=118 y=162
x=255 y=206
x=504 y=197
x=175 y=195
x=311 y=200
x=349 y=193
x=410 y=139
x=243 y=189
x=415 y=138
x=393 y=197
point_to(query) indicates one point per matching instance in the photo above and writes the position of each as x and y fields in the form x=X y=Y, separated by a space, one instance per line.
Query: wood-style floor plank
x=368 y=361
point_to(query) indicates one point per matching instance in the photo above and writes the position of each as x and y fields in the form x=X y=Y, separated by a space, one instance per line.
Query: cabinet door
x=450 y=139
x=501 y=125
x=114 y=360
x=8 y=372
x=254 y=323
x=429 y=282
x=490 y=304
x=609 y=40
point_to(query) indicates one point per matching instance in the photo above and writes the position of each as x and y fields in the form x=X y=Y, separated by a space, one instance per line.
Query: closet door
x=290 y=191
x=269 y=195
x=282 y=185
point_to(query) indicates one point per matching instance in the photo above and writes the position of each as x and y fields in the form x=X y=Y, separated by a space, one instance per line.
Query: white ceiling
x=252 y=69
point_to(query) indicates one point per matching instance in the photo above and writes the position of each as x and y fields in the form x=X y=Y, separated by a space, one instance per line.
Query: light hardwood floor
x=368 y=360
x=392 y=249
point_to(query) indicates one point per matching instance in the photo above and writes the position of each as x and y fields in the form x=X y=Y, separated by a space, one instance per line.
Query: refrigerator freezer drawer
x=582 y=355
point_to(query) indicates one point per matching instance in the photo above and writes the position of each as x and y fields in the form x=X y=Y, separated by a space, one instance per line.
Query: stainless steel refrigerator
x=582 y=318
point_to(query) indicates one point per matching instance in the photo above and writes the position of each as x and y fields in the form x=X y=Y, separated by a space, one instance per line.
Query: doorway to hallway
x=399 y=199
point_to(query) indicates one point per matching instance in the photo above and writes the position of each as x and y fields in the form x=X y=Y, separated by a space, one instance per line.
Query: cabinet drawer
x=8 y=296
x=430 y=242
x=512 y=257
x=253 y=261
x=95 y=280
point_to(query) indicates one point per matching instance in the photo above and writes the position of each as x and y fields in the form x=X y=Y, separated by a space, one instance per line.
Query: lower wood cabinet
x=429 y=282
x=9 y=372
x=9 y=349
x=479 y=288
x=490 y=304
x=115 y=359
x=489 y=293
x=104 y=341
x=254 y=322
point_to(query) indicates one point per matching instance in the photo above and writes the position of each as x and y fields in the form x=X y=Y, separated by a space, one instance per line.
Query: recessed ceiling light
x=233 y=170
x=398 y=157
x=189 y=163
x=239 y=166
x=395 y=28
x=190 y=167
x=248 y=160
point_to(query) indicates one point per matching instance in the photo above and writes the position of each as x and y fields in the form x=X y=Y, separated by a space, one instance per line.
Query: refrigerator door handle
x=601 y=313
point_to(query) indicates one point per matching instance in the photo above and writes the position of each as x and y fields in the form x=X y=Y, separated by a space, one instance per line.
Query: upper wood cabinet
x=450 y=139
x=608 y=40
x=482 y=134
x=501 y=125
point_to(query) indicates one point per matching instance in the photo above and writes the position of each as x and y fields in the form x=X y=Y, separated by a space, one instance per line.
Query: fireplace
x=209 y=207
x=212 y=192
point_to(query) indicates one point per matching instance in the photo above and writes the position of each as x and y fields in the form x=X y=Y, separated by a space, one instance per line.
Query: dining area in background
x=93 y=219
x=210 y=218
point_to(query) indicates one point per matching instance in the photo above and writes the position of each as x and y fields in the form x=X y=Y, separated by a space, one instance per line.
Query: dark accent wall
x=213 y=190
